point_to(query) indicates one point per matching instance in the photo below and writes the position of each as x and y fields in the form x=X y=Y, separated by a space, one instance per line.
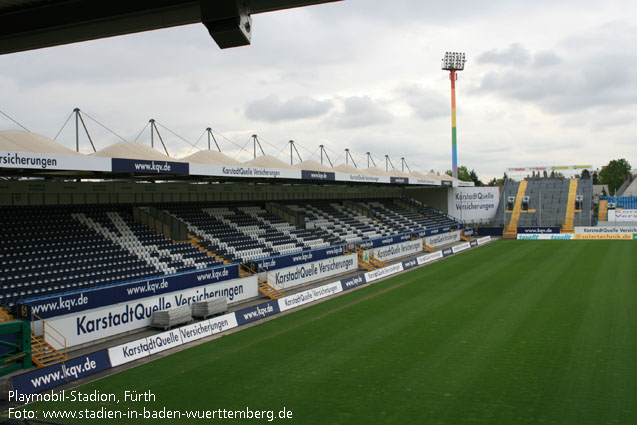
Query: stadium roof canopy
x=34 y=24
x=268 y=161
x=24 y=154
x=211 y=157
x=313 y=166
x=132 y=150
x=21 y=141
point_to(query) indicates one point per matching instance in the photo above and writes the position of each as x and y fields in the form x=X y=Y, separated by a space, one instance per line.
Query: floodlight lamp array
x=453 y=61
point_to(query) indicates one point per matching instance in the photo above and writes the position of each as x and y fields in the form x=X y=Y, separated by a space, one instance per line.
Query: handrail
x=246 y=268
x=268 y=281
x=44 y=333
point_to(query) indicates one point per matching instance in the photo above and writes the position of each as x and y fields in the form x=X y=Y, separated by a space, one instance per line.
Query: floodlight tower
x=453 y=62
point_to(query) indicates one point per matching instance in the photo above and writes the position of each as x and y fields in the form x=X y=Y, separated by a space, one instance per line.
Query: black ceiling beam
x=34 y=25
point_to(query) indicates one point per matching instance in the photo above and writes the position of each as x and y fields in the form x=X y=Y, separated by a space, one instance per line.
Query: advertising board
x=473 y=204
x=103 y=322
x=316 y=270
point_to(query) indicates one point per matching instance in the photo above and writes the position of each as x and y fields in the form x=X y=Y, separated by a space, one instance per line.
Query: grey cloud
x=515 y=54
x=588 y=79
x=425 y=103
x=561 y=92
x=546 y=59
x=273 y=109
x=359 y=111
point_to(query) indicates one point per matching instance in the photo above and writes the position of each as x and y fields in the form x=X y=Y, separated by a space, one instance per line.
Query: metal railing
x=53 y=333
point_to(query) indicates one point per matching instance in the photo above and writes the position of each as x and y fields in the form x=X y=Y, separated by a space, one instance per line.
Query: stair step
x=44 y=354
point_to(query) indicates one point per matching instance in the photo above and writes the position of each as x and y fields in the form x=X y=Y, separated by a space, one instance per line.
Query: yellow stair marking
x=269 y=290
x=567 y=226
x=511 y=230
x=194 y=241
x=5 y=316
x=428 y=248
x=43 y=354
x=603 y=210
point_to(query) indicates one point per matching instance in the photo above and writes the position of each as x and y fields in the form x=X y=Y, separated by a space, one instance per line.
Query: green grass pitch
x=516 y=332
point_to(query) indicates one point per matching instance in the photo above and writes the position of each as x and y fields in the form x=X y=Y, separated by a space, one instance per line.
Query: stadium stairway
x=5 y=316
x=196 y=242
x=428 y=248
x=603 y=210
x=265 y=286
x=43 y=354
x=567 y=226
x=269 y=290
x=368 y=262
x=511 y=230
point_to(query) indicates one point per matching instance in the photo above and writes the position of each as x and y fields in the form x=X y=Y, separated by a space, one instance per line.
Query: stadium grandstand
x=119 y=268
x=546 y=202
x=128 y=217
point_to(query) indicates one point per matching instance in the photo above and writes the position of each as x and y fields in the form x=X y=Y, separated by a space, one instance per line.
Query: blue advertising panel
x=48 y=377
x=317 y=175
x=353 y=282
x=75 y=302
x=490 y=231
x=410 y=264
x=399 y=180
x=121 y=165
x=390 y=240
x=537 y=229
x=434 y=231
x=289 y=260
x=257 y=312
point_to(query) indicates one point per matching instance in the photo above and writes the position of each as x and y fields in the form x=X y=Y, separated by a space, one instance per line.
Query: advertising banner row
x=391 y=252
x=606 y=229
x=91 y=315
x=30 y=160
x=46 y=378
x=443 y=239
x=578 y=236
x=81 y=327
x=282 y=261
x=89 y=299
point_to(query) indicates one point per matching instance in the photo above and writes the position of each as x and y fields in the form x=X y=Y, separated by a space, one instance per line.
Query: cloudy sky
x=546 y=83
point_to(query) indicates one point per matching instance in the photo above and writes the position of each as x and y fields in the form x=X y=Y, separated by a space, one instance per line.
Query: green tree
x=463 y=174
x=474 y=178
x=595 y=177
x=614 y=174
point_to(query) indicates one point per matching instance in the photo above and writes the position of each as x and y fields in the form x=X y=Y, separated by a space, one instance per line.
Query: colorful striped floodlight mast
x=453 y=62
